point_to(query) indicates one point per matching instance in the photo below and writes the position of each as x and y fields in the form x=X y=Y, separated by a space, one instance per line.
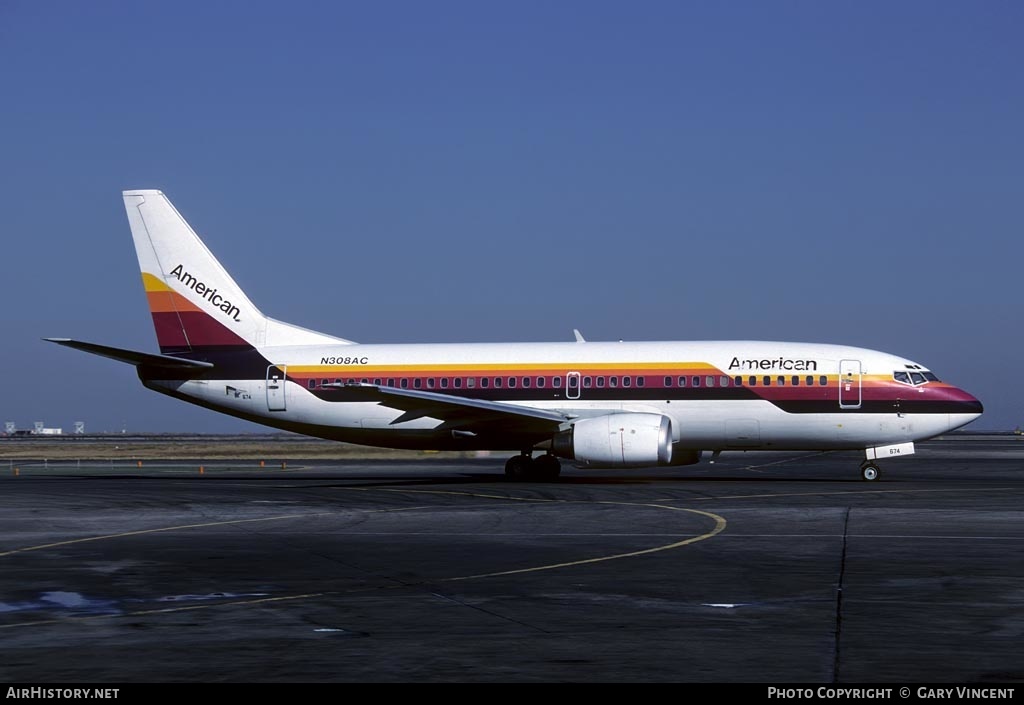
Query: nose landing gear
x=869 y=471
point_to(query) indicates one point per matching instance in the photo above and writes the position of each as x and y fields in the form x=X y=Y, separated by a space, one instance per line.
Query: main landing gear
x=523 y=468
x=869 y=471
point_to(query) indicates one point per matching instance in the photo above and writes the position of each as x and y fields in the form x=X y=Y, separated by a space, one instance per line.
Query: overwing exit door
x=572 y=385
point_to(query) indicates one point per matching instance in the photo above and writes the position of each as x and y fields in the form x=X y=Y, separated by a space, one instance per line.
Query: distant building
x=10 y=427
x=79 y=428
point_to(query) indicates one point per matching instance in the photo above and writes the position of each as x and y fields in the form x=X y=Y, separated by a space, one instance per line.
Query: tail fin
x=195 y=303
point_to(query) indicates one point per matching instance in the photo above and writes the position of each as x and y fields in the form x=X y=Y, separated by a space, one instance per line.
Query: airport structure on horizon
x=618 y=405
x=39 y=428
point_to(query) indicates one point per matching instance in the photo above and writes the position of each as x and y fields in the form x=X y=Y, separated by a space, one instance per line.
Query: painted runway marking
x=182 y=527
x=720 y=524
x=164 y=610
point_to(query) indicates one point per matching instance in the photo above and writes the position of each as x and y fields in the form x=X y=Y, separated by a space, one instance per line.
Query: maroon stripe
x=201 y=330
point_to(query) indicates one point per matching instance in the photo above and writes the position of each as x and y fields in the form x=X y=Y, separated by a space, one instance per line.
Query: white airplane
x=618 y=405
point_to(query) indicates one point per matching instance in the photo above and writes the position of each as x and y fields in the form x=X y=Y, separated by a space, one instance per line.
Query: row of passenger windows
x=588 y=382
x=750 y=381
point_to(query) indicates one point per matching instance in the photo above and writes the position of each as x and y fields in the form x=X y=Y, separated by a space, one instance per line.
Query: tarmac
x=759 y=568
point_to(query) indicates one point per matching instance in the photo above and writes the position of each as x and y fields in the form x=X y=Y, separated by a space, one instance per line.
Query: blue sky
x=482 y=171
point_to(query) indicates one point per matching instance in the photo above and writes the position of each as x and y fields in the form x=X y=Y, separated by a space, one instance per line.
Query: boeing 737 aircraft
x=617 y=405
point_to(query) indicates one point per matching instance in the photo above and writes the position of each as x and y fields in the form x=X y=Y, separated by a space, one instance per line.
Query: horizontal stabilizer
x=133 y=357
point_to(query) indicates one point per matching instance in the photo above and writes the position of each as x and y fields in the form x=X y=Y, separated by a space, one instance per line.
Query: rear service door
x=276 y=387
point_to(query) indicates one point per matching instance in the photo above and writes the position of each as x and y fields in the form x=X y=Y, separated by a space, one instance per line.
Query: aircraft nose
x=968 y=408
x=971 y=404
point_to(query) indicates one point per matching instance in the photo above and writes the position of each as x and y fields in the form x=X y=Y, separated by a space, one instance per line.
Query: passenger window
x=587 y=381
x=511 y=382
x=337 y=381
x=737 y=381
x=417 y=383
x=526 y=382
x=325 y=382
x=444 y=383
x=810 y=380
x=471 y=382
x=796 y=380
x=682 y=381
x=540 y=382
x=377 y=381
x=823 y=380
x=497 y=382
x=430 y=383
x=767 y=381
x=364 y=380
x=557 y=381
x=639 y=381
x=391 y=382
x=695 y=381
x=782 y=381
x=668 y=381
x=626 y=381
x=723 y=381
x=457 y=382
x=485 y=382
x=613 y=381
x=600 y=381
x=312 y=384
x=403 y=383
x=752 y=381
x=709 y=381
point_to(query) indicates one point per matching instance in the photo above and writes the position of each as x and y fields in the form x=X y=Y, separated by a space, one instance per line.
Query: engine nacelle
x=684 y=456
x=618 y=441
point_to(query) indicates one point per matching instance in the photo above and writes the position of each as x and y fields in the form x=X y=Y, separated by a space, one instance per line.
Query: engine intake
x=618 y=441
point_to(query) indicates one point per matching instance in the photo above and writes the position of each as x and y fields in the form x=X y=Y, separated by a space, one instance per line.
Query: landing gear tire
x=546 y=468
x=518 y=468
x=869 y=472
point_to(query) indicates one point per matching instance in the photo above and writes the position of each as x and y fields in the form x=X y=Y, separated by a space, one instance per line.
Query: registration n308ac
x=344 y=360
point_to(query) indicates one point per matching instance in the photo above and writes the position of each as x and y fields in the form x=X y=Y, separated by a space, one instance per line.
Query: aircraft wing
x=456 y=413
x=133 y=357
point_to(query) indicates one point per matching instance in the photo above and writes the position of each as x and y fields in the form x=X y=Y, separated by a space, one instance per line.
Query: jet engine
x=618 y=441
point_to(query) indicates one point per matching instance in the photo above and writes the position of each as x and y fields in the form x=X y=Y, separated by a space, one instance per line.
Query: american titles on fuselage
x=774 y=363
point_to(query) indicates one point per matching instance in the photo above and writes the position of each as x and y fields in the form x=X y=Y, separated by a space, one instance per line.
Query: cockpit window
x=915 y=378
